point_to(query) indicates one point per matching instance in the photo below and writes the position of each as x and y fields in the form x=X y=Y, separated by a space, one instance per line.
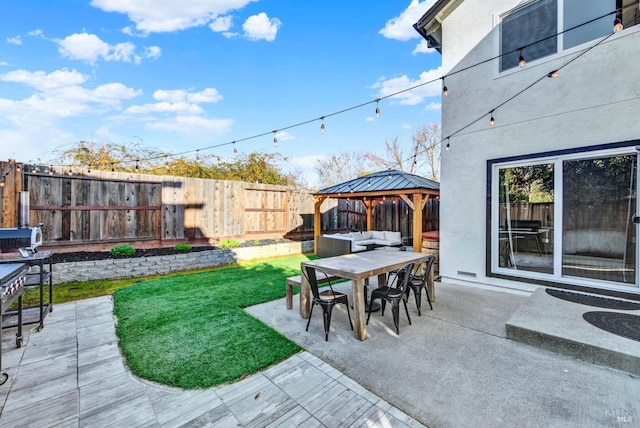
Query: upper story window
x=535 y=28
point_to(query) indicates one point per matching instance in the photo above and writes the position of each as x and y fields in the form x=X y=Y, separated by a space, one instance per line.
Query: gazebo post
x=417 y=221
x=317 y=220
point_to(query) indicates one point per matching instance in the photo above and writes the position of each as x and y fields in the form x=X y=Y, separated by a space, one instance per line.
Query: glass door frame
x=556 y=279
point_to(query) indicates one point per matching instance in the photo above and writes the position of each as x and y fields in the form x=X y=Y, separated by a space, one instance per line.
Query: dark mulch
x=83 y=256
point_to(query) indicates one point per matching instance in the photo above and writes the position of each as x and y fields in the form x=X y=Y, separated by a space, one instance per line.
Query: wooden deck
x=71 y=374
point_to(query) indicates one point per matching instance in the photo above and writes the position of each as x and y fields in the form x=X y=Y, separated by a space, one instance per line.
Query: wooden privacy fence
x=107 y=208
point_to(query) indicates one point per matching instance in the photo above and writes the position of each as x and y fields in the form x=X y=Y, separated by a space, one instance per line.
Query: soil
x=83 y=256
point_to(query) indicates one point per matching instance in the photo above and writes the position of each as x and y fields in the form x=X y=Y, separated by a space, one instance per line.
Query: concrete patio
x=71 y=374
x=454 y=367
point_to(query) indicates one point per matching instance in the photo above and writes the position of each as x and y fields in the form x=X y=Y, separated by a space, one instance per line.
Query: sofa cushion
x=377 y=234
x=356 y=235
x=365 y=242
x=345 y=236
x=367 y=235
x=393 y=236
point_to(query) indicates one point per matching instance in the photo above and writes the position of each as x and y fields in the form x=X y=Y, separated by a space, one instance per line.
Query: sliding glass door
x=598 y=233
x=568 y=218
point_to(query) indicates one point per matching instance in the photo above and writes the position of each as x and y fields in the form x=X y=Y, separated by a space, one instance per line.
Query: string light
x=322 y=125
x=137 y=164
x=492 y=121
x=521 y=62
x=89 y=169
x=70 y=172
x=617 y=25
x=275 y=140
x=51 y=170
x=235 y=149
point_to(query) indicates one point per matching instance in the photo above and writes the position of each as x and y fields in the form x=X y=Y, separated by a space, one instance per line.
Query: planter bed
x=90 y=266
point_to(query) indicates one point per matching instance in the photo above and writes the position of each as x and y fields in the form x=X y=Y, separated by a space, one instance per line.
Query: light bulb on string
x=322 y=125
x=51 y=170
x=521 y=62
x=445 y=91
x=235 y=149
x=378 y=107
x=617 y=24
x=70 y=172
x=197 y=156
x=113 y=168
x=275 y=139
x=18 y=167
x=553 y=74
x=89 y=169
x=137 y=164
x=492 y=121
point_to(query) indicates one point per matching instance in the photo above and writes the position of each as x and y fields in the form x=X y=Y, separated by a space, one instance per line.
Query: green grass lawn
x=190 y=331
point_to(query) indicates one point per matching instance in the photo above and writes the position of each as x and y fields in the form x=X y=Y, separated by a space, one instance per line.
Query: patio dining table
x=357 y=267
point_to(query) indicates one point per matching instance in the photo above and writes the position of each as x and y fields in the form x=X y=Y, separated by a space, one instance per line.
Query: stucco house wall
x=593 y=101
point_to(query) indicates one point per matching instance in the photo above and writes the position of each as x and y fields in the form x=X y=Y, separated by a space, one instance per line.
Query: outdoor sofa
x=344 y=243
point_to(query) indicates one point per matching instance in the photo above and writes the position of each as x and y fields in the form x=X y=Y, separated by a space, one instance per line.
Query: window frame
x=559 y=51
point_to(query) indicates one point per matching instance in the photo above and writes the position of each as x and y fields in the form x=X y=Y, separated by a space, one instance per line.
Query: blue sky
x=179 y=76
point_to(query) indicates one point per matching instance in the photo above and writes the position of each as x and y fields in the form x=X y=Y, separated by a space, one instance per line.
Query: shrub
x=182 y=248
x=123 y=250
x=229 y=243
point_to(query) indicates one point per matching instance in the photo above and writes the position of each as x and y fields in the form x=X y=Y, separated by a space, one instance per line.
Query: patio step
x=557 y=325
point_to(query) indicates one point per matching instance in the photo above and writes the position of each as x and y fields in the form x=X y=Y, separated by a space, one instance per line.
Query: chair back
x=310 y=273
x=400 y=280
x=424 y=269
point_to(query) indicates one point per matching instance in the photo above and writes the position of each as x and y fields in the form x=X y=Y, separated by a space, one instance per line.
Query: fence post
x=11 y=178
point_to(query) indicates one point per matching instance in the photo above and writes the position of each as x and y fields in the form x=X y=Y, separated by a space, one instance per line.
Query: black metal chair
x=326 y=299
x=418 y=282
x=394 y=292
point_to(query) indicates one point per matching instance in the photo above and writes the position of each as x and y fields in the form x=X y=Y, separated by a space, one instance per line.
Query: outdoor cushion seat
x=361 y=240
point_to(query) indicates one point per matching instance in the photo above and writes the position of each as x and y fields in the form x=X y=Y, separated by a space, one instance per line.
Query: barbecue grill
x=24 y=239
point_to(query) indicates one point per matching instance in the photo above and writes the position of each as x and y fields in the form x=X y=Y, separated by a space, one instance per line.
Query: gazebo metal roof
x=381 y=183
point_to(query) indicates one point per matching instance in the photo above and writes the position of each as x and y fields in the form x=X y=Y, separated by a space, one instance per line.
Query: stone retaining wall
x=160 y=265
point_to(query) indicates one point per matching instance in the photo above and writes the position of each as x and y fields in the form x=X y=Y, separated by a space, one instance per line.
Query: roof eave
x=429 y=25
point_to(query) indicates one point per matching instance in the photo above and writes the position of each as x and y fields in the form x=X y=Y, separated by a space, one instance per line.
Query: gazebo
x=371 y=189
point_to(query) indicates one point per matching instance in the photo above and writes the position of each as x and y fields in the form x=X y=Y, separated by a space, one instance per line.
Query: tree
x=422 y=157
x=117 y=157
x=254 y=167
x=342 y=167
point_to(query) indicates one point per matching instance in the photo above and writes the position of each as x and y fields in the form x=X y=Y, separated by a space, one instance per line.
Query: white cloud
x=423 y=47
x=4 y=63
x=428 y=85
x=165 y=107
x=261 y=27
x=221 y=24
x=90 y=48
x=42 y=81
x=401 y=27
x=36 y=33
x=433 y=106
x=284 y=136
x=157 y=16
x=58 y=95
x=17 y=40
x=192 y=125
x=176 y=101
